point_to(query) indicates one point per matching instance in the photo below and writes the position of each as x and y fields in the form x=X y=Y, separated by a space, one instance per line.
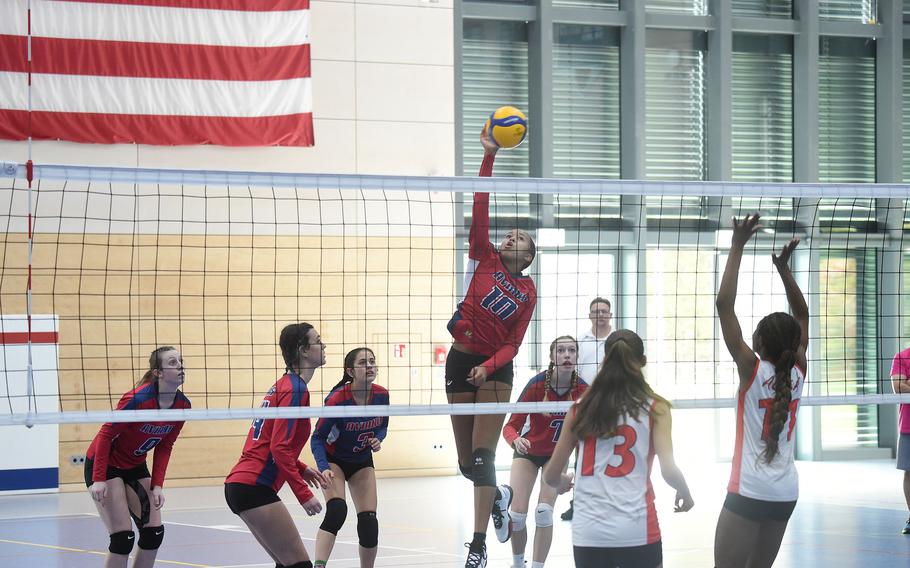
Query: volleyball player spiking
x=487 y=328
x=343 y=449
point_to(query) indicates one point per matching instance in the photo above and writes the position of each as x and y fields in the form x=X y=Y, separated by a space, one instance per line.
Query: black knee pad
x=122 y=542
x=304 y=564
x=484 y=472
x=150 y=537
x=336 y=510
x=467 y=472
x=367 y=529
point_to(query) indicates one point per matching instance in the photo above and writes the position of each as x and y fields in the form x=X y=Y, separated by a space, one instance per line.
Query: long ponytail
x=620 y=388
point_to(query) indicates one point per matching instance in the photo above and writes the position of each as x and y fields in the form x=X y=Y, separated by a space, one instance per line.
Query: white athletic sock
x=536 y=564
x=518 y=560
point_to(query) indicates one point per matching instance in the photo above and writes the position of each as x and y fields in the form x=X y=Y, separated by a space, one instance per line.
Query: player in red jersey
x=619 y=425
x=116 y=472
x=487 y=328
x=343 y=448
x=269 y=457
x=534 y=436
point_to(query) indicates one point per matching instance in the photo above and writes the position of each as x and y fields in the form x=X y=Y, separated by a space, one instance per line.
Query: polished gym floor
x=849 y=515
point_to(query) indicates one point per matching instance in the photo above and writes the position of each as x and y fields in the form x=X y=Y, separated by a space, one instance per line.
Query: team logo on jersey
x=156 y=430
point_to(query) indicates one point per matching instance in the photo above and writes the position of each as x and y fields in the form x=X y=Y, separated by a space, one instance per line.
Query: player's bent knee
x=484 y=471
x=467 y=472
x=543 y=516
x=336 y=510
x=150 y=537
x=519 y=521
x=367 y=529
x=122 y=542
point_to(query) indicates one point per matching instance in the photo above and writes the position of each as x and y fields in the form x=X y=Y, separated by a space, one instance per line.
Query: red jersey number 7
x=623 y=450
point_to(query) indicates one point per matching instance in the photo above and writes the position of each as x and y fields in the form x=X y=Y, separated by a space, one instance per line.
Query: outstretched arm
x=795 y=297
x=726 y=297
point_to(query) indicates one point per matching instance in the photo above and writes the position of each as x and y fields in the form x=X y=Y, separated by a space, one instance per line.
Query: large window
x=864 y=11
x=697 y=7
x=847 y=364
x=762 y=108
x=846 y=123
x=675 y=105
x=494 y=73
x=766 y=8
x=585 y=102
x=846 y=110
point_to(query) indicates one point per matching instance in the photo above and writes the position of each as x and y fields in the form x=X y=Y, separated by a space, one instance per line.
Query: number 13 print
x=622 y=449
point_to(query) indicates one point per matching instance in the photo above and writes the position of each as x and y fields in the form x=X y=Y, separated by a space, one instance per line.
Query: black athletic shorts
x=645 y=556
x=459 y=364
x=132 y=474
x=758 y=510
x=241 y=497
x=350 y=468
x=539 y=461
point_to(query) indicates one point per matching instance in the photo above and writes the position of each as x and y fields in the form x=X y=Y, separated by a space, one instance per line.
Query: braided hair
x=780 y=336
x=551 y=369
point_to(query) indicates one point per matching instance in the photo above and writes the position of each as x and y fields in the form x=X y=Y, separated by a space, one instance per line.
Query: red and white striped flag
x=168 y=72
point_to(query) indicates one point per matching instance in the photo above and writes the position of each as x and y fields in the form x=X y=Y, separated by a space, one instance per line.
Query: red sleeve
x=479 y=235
x=509 y=349
x=282 y=447
x=510 y=430
x=163 y=455
x=102 y=444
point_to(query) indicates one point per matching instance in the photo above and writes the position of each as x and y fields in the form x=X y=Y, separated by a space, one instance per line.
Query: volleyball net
x=102 y=265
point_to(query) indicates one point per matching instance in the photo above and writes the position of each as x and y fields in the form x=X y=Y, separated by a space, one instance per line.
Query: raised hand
x=783 y=259
x=743 y=231
x=489 y=147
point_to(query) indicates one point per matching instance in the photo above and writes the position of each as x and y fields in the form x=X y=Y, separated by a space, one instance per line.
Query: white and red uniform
x=494 y=315
x=614 y=499
x=540 y=429
x=124 y=445
x=272 y=446
x=751 y=476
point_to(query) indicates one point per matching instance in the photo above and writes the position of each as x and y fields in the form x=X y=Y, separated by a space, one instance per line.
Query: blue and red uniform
x=272 y=446
x=540 y=429
x=124 y=445
x=496 y=310
x=348 y=439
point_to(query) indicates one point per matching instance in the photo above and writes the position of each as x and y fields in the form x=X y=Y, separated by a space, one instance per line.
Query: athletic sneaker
x=906 y=528
x=502 y=521
x=476 y=559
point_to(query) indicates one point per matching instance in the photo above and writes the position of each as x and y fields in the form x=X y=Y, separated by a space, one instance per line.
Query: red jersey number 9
x=622 y=449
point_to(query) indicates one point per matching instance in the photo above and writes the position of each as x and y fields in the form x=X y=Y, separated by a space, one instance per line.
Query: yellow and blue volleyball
x=507 y=127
